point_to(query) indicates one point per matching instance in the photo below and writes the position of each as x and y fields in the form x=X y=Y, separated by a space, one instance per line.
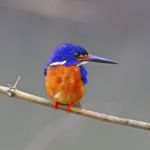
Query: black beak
x=92 y=58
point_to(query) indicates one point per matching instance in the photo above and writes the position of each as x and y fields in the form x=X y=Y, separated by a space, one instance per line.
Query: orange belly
x=64 y=84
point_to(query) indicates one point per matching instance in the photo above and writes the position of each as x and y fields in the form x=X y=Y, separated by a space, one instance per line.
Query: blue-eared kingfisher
x=66 y=75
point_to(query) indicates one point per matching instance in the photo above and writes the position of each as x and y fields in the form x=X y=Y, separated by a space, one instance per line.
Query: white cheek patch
x=82 y=63
x=58 y=63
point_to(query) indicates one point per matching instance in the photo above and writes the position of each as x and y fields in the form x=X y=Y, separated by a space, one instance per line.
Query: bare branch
x=12 y=91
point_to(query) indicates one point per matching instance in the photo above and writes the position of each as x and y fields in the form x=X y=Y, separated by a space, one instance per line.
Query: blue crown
x=66 y=52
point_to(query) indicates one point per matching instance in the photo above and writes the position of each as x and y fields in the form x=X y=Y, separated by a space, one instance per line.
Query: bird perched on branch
x=65 y=75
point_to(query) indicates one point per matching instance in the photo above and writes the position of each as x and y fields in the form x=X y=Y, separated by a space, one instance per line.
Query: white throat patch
x=82 y=63
x=58 y=63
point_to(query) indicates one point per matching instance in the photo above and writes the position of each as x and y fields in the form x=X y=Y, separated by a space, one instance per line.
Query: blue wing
x=84 y=74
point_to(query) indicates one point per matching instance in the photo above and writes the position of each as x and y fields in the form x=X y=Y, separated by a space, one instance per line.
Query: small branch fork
x=12 y=91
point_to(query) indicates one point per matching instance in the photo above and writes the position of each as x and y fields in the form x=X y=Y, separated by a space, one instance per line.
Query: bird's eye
x=76 y=55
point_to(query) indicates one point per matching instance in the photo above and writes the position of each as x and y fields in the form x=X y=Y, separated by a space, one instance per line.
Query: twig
x=16 y=83
x=12 y=91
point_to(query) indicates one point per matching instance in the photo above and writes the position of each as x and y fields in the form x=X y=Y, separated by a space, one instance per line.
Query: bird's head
x=69 y=54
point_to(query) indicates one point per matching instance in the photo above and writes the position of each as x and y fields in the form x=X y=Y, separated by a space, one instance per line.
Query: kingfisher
x=66 y=75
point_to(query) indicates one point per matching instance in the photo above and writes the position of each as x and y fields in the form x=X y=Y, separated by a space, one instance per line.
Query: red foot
x=55 y=105
x=69 y=108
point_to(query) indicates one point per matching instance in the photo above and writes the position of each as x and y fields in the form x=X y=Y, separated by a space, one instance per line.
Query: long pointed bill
x=92 y=58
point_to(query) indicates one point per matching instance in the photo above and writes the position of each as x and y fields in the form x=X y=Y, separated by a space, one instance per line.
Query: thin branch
x=12 y=91
x=16 y=83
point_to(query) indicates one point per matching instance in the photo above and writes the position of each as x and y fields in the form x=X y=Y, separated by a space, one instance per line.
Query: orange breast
x=64 y=84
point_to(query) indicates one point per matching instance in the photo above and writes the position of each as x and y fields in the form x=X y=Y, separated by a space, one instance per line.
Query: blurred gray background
x=118 y=29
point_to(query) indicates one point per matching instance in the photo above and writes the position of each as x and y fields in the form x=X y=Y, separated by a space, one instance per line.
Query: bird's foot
x=55 y=105
x=69 y=108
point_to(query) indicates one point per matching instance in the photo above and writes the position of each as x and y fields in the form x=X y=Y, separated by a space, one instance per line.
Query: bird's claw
x=69 y=108
x=55 y=105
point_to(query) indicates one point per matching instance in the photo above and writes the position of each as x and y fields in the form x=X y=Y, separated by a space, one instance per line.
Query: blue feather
x=45 y=70
x=84 y=74
x=65 y=52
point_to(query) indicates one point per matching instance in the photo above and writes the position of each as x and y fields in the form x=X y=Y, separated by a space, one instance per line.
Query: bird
x=65 y=74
